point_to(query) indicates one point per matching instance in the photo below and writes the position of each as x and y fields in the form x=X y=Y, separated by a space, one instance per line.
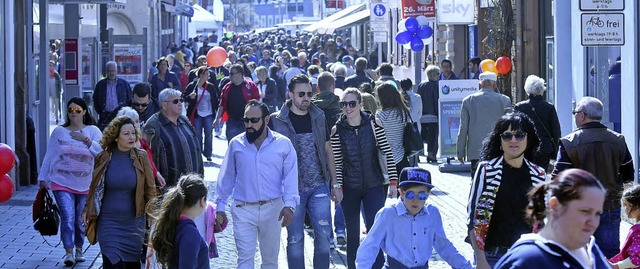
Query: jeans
x=608 y=233
x=71 y=227
x=338 y=220
x=372 y=200
x=430 y=136
x=318 y=203
x=234 y=128
x=205 y=123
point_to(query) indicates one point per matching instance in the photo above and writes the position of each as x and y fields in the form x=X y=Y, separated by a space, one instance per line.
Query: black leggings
x=106 y=264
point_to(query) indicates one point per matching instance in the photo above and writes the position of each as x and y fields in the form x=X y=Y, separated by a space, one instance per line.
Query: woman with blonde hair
x=123 y=183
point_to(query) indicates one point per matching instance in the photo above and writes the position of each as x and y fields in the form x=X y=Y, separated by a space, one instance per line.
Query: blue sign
x=379 y=10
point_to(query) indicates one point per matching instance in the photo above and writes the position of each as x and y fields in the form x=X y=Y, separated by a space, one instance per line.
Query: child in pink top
x=629 y=256
x=208 y=225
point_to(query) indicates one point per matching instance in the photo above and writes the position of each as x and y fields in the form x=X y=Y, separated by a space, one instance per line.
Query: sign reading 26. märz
x=602 y=29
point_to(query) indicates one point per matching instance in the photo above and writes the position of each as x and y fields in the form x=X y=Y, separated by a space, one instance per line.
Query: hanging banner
x=452 y=92
x=85 y=64
x=129 y=62
x=415 y=8
x=456 y=12
x=70 y=61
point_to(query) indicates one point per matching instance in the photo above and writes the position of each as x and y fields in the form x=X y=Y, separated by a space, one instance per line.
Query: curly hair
x=112 y=132
x=491 y=146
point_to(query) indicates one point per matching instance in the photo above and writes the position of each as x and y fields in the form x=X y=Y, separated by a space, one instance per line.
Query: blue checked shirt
x=408 y=239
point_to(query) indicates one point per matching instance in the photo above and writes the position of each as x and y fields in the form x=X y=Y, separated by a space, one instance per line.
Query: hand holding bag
x=192 y=116
x=48 y=221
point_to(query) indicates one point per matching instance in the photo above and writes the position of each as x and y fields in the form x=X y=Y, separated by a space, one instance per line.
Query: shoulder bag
x=192 y=116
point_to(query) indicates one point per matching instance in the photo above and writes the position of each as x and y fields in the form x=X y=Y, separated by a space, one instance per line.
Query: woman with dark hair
x=176 y=239
x=202 y=99
x=572 y=204
x=66 y=169
x=500 y=186
x=393 y=116
x=358 y=142
x=164 y=79
x=122 y=185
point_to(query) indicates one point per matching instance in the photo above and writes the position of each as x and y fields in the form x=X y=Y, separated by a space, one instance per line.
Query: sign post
x=379 y=23
x=602 y=29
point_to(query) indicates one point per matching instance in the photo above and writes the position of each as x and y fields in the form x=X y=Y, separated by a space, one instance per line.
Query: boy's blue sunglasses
x=421 y=195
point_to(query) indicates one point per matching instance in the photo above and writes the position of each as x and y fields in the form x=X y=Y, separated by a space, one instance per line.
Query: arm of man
x=290 y=185
x=626 y=168
x=226 y=179
x=563 y=162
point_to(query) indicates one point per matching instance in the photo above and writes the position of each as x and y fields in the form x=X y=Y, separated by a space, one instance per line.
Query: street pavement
x=22 y=247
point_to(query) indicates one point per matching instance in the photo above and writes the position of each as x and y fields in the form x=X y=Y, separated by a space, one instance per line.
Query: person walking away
x=430 y=94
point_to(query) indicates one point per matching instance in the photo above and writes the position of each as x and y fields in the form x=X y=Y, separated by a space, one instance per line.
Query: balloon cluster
x=7 y=161
x=502 y=66
x=413 y=32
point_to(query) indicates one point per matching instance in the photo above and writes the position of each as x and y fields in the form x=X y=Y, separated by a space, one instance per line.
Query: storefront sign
x=456 y=11
x=129 y=62
x=602 y=29
x=452 y=92
x=415 y=8
x=602 y=5
x=70 y=61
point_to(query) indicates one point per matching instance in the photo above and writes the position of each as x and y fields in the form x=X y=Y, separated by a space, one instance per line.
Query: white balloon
x=422 y=20
x=427 y=41
x=407 y=46
x=401 y=26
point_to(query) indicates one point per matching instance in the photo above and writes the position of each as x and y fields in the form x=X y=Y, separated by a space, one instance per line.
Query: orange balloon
x=488 y=65
x=216 y=56
x=503 y=65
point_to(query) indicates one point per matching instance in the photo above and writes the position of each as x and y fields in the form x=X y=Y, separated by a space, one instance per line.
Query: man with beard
x=304 y=124
x=260 y=169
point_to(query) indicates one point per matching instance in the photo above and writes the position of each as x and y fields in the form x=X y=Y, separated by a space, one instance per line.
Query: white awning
x=201 y=14
x=348 y=21
x=336 y=16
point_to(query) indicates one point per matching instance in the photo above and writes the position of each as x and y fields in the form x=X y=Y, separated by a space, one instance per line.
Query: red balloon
x=7 y=159
x=216 y=56
x=503 y=65
x=6 y=188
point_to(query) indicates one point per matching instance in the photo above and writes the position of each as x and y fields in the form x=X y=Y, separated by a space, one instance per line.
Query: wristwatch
x=293 y=209
x=336 y=186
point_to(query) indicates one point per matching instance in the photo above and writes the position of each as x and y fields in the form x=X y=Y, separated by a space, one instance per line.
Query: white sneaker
x=69 y=260
x=79 y=256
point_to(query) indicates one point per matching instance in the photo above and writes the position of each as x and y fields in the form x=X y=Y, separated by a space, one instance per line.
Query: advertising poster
x=129 y=62
x=85 y=64
x=452 y=92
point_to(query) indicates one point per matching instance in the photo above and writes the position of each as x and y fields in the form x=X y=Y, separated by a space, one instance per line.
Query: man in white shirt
x=260 y=169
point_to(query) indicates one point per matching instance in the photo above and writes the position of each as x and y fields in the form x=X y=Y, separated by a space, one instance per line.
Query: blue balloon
x=404 y=37
x=412 y=24
x=417 y=44
x=424 y=31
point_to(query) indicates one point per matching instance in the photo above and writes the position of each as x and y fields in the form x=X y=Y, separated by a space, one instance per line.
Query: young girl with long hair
x=176 y=239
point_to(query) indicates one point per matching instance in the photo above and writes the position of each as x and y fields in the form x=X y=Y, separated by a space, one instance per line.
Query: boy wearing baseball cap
x=409 y=230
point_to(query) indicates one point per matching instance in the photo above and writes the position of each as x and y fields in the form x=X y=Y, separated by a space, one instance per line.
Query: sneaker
x=69 y=260
x=79 y=256
x=209 y=159
x=332 y=244
x=341 y=241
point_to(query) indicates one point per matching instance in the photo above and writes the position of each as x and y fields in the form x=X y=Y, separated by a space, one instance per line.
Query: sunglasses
x=507 y=137
x=575 y=112
x=421 y=195
x=350 y=104
x=301 y=94
x=74 y=110
x=176 y=101
x=140 y=105
x=252 y=120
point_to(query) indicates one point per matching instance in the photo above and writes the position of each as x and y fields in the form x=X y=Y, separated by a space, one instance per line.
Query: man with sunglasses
x=304 y=124
x=260 y=171
x=412 y=224
x=604 y=153
x=233 y=99
x=141 y=102
x=478 y=115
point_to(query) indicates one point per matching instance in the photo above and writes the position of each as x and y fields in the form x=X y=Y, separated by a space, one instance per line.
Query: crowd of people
x=309 y=122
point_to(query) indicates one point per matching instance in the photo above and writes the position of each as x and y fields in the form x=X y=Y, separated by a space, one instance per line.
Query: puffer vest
x=361 y=169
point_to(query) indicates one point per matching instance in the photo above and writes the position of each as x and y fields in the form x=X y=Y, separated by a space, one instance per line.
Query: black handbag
x=48 y=220
x=411 y=139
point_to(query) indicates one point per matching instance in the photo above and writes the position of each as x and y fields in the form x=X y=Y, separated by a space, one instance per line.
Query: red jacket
x=249 y=91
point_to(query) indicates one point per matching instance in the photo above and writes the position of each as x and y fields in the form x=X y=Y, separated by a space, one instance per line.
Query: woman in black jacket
x=268 y=88
x=428 y=90
x=361 y=154
x=544 y=118
x=202 y=99
x=280 y=83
